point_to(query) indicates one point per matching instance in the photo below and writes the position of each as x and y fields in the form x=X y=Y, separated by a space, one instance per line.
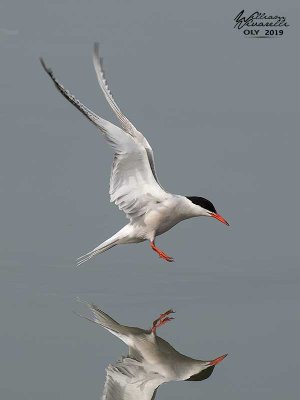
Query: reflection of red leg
x=161 y=253
x=163 y=319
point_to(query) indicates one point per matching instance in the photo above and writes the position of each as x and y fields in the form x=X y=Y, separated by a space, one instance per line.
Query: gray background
x=221 y=113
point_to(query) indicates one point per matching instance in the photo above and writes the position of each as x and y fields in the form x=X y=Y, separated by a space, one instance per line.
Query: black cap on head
x=206 y=373
x=202 y=202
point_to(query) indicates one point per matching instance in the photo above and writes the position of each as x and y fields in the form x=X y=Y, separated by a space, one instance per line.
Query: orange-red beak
x=218 y=360
x=219 y=218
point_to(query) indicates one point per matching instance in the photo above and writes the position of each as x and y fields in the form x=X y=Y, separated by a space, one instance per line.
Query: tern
x=151 y=360
x=134 y=186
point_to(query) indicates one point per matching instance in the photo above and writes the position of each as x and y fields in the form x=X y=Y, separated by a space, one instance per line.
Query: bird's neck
x=189 y=209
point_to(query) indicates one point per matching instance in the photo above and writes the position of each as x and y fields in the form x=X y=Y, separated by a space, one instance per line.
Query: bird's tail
x=108 y=244
x=101 y=318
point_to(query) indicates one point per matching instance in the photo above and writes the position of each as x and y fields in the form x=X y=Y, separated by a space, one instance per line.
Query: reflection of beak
x=217 y=360
x=219 y=218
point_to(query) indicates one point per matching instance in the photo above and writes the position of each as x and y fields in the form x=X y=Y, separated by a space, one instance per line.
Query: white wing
x=124 y=121
x=133 y=186
x=128 y=379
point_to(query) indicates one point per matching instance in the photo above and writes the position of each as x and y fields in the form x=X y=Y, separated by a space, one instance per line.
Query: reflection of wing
x=124 y=121
x=133 y=186
x=128 y=379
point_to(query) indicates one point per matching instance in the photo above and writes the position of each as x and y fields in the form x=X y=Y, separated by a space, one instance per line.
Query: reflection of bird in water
x=134 y=186
x=151 y=360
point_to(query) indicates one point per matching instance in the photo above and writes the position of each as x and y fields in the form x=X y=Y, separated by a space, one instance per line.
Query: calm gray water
x=222 y=114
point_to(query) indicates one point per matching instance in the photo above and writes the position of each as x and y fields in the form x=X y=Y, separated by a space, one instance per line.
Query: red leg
x=161 y=253
x=163 y=319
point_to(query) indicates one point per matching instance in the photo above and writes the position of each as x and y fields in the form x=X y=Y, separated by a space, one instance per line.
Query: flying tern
x=134 y=186
x=151 y=361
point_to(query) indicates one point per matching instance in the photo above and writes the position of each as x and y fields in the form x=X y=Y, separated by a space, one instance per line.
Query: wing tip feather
x=47 y=69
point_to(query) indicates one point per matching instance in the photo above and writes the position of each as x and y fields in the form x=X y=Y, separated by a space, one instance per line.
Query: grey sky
x=222 y=114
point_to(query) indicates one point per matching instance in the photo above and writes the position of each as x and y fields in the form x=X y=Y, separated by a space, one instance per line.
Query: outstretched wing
x=133 y=186
x=129 y=379
x=124 y=121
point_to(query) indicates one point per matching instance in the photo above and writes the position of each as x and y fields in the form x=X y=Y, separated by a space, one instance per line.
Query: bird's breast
x=168 y=214
x=162 y=218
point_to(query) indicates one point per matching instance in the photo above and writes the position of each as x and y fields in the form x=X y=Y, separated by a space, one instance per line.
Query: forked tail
x=101 y=318
x=108 y=244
